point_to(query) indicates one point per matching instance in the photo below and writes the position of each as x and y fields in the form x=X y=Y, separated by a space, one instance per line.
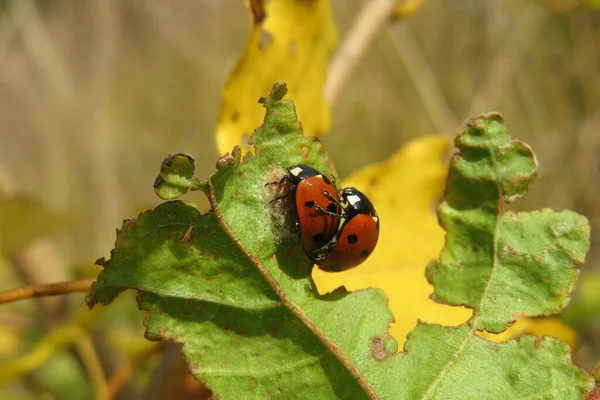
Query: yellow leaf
x=552 y=326
x=290 y=41
x=405 y=191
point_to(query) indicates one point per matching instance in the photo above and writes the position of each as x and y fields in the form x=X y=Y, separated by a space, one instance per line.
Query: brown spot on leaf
x=247 y=156
x=378 y=349
x=100 y=262
x=187 y=236
x=304 y=151
x=235 y=116
x=128 y=224
x=276 y=327
x=374 y=180
x=257 y=8
x=266 y=39
x=225 y=161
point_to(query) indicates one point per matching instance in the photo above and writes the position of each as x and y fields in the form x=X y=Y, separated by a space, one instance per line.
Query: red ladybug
x=317 y=205
x=357 y=236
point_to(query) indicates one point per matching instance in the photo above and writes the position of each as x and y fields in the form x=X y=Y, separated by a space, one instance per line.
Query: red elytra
x=316 y=228
x=354 y=243
x=308 y=187
x=355 y=239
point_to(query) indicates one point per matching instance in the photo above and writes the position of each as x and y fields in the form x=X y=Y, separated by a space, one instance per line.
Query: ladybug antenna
x=331 y=198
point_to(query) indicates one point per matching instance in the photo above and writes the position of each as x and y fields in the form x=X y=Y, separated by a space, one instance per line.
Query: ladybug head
x=356 y=202
x=296 y=173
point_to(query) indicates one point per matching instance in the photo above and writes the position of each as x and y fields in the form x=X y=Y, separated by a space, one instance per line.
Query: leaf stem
x=49 y=289
x=198 y=185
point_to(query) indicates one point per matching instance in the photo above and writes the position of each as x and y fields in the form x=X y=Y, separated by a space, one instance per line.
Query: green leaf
x=176 y=177
x=455 y=364
x=502 y=264
x=175 y=251
x=235 y=288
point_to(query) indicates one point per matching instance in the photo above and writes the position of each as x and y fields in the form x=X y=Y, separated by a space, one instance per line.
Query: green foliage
x=502 y=264
x=241 y=300
x=176 y=177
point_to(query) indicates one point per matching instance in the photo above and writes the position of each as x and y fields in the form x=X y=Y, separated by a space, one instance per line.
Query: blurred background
x=94 y=94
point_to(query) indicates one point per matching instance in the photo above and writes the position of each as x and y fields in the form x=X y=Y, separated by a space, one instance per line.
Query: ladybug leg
x=332 y=199
x=277 y=183
x=281 y=181
x=321 y=254
x=325 y=212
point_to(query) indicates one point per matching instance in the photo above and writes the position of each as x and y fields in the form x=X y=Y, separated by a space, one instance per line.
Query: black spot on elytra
x=331 y=208
x=318 y=237
x=335 y=268
x=309 y=204
x=352 y=238
x=364 y=254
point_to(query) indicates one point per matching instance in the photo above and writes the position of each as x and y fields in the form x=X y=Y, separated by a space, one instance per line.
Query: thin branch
x=371 y=20
x=50 y=289
x=56 y=340
x=91 y=361
x=125 y=371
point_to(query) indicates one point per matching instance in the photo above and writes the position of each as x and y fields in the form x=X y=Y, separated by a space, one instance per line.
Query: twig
x=50 y=289
x=54 y=341
x=370 y=21
x=125 y=371
x=91 y=361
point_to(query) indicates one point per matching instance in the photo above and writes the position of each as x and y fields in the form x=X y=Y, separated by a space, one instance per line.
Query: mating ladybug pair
x=338 y=229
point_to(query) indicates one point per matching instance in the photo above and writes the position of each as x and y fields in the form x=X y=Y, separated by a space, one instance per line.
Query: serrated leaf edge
x=286 y=301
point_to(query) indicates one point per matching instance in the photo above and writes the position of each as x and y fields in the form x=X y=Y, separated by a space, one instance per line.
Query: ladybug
x=356 y=237
x=317 y=205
